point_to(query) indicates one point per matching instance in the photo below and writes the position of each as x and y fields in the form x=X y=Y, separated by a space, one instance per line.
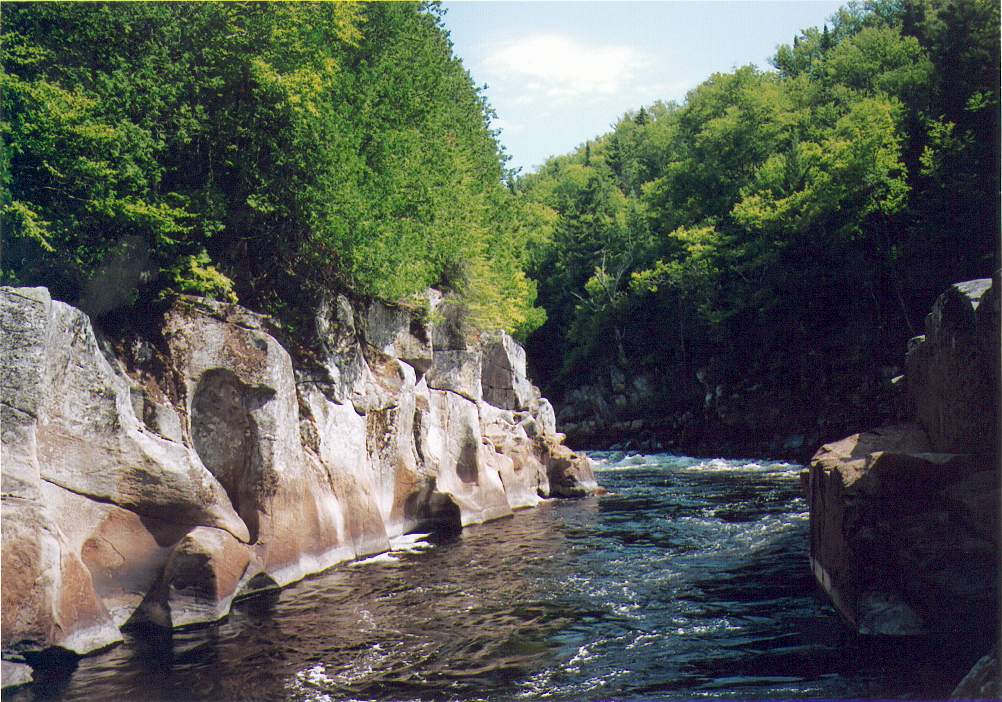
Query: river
x=689 y=580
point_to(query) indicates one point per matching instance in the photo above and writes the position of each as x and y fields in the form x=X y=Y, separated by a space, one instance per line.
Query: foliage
x=263 y=150
x=788 y=222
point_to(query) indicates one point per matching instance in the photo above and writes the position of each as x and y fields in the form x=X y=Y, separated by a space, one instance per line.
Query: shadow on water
x=690 y=579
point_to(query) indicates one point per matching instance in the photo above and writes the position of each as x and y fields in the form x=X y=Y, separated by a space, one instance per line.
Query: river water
x=689 y=580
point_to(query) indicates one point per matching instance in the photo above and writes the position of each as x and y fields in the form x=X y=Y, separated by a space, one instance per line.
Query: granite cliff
x=154 y=478
x=905 y=517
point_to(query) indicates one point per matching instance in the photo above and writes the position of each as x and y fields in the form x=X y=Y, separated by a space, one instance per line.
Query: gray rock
x=393 y=331
x=457 y=371
x=545 y=417
x=130 y=498
x=15 y=674
x=503 y=377
x=951 y=373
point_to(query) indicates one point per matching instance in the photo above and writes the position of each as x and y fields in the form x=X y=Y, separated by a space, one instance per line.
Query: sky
x=559 y=73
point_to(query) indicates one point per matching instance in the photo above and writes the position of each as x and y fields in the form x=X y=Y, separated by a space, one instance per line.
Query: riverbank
x=156 y=476
x=688 y=580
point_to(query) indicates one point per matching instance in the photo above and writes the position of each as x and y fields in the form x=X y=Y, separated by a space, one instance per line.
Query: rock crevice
x=160 y=481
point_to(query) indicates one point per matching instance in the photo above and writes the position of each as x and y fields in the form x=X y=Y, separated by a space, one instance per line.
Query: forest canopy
x=780 y=221
x=259 y=151
x=790 y=223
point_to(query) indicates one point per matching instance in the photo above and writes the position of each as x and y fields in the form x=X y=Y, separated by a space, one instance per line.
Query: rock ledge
x=156 y=481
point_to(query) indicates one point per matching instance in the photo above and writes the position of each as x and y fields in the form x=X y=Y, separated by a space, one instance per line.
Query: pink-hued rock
x=162 y=478
x=198 y=581
x=570 y=473
x=904 y=519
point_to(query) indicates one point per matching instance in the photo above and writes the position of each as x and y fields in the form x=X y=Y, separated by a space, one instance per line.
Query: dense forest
x=261 y=152
x=789 y=226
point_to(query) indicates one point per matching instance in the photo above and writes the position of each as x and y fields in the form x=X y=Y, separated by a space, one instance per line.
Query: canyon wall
x=156 y=477
x=905 y=518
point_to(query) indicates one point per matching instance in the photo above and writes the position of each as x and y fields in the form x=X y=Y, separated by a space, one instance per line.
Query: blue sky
x=563 y=72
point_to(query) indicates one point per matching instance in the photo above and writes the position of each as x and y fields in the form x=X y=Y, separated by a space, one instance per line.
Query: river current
x=688 y=581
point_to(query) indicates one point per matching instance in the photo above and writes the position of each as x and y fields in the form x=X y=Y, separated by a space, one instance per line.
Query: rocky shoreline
x=154 y=479
x=707 y=415
x=905 y=517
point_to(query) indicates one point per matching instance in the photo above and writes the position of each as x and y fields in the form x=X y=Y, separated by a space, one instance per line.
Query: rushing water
x=689 y=580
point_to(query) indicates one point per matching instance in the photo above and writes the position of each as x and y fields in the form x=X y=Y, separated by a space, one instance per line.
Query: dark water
x=689 y=581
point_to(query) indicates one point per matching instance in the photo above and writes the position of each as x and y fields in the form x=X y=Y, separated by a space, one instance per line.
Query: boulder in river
x=905 y=518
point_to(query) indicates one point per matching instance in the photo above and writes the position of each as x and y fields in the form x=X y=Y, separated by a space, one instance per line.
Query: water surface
x=689 y=580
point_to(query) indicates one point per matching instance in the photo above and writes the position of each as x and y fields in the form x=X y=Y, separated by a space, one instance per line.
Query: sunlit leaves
x=270 y=150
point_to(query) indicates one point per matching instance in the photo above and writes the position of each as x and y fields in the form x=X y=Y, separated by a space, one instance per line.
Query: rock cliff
x=721 y=409
x=158 y=477
x=904 y=518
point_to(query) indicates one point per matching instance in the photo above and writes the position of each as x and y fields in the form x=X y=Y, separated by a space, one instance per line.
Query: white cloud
x=560 y=67
x=507 y=126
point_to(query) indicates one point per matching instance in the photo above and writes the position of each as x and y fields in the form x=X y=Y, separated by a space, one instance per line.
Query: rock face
x=716 y=411
x=157 y=480
x=952 y=369
x=905 y=518
x=983 y=682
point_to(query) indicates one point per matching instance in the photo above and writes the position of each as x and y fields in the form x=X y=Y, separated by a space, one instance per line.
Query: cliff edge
x=156 y=479
x=904 y=522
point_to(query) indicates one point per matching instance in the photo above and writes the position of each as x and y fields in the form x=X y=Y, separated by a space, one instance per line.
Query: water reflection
x=690 y=579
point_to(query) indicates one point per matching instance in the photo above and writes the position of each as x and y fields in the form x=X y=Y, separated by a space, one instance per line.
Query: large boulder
x=952 y=371
x=898 y=534
x=570 y=474
x=905 y=518
x=199 y=580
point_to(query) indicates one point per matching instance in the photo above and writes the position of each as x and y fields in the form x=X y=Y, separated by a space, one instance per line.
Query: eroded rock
x=206 y=465
x=15 y=674
x=199 y=580
x=904 y=519
x=570 y=473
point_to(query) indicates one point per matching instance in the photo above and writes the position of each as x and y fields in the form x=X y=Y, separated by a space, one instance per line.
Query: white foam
x=410 y=543
x=381 y=559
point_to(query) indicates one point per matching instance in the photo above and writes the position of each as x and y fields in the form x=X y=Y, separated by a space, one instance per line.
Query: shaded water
x=690 y=580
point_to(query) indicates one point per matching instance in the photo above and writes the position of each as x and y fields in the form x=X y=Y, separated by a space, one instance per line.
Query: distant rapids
x=689 y=580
